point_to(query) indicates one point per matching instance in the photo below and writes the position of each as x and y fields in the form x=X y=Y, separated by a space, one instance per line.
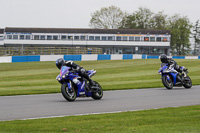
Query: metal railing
x=16 y=51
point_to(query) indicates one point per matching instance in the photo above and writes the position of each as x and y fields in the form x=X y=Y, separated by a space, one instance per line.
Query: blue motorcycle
x=73 y=86
x=171 y=78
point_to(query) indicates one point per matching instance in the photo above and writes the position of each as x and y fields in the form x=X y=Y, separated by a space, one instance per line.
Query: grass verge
x=39 y=77
x=167 y=120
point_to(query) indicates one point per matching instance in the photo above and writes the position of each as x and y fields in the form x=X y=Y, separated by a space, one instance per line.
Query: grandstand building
x=112 y=41
x=1 y=37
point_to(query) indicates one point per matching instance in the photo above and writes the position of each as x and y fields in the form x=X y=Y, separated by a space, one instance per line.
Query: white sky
x=77 y=13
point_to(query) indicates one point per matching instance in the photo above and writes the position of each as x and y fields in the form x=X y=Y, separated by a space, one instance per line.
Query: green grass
x=167 y=120
x=39 y=77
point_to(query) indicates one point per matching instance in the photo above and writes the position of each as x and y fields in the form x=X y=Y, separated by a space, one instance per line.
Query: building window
x=91 y=37
x=76 y=37
x=82 y=37
x=9 y=36
x=119 y=38
x=70 y=37
x=42 y=37
x=63 y=37
x=158 y=39
x=21 y=37
x=111 y=38
x=165 y=39
x=152 y=39
x=28 y=37
x=124 y=38
x=104 y=38
x=97 y=38
x=131 y=38
x=55 y=37
x=36 y=37
x=146 y=38
x=137 y=38
x=49 y=37
x=15 y=36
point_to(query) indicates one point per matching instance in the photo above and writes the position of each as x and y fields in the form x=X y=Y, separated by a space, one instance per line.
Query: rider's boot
x=184 y=74
x=91 y=82
x=183 y=71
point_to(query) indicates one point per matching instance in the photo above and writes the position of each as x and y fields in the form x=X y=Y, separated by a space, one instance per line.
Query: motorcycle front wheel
x=98 y=94
x=187 y=82
x=167 y=83
x=69 y=95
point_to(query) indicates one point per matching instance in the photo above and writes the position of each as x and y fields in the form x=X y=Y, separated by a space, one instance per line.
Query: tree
x=107 y=18
x=138 y=20
x=180 y=33
x=196 y=36
x=144 y=18
x=129 y=22
x=158 y=21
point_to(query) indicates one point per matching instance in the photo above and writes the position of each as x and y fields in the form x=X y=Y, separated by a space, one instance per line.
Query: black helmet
x=163 y=58
x=60 y=62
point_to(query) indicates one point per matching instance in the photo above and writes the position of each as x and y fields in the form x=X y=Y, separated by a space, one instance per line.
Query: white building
x=112 y=41
x=1 y=37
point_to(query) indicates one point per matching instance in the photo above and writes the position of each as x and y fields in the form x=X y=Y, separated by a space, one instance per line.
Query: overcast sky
x=77 y=13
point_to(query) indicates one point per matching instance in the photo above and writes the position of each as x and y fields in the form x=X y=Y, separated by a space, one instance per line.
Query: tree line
x=182 y=30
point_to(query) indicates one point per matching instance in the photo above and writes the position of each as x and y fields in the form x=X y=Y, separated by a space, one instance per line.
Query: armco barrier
x=88 y=57
x=178 y=57
x=116 y=56
x=144 y=56
x=104 y=57
x=50 y=57
x=152 y=57
x=191 y=57
x=72 y=57
x=127 y=56
x=137 y=56
x=6 y=59
x=25 y=58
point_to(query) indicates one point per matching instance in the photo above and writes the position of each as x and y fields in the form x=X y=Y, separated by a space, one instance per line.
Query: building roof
x=94 y=31
x=1 y=31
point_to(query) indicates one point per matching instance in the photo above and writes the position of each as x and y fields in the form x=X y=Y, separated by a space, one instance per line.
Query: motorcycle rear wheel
x=167 y=83
x=97 y=95
x=187 y=84
x=69 y=96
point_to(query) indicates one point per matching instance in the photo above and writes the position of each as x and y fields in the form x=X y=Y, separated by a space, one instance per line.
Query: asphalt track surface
x=54 y=105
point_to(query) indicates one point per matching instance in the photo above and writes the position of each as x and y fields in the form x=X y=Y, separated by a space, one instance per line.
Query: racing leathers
x=81 y=71
x=180 y=69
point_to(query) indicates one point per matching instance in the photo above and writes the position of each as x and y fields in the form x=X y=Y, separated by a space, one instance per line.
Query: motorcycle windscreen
x=63 y=70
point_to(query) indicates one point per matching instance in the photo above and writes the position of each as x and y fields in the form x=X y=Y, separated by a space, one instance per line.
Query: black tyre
x=167 y=83
x=187 y=82
x=69 y=95
x=98 y=94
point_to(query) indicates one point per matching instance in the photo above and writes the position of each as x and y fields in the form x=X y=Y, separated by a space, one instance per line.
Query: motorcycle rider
x=172 y=63
x=81 y=71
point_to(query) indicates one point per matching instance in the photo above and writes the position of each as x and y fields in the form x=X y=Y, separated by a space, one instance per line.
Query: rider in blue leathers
x=81 y=71
x=171 y=64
